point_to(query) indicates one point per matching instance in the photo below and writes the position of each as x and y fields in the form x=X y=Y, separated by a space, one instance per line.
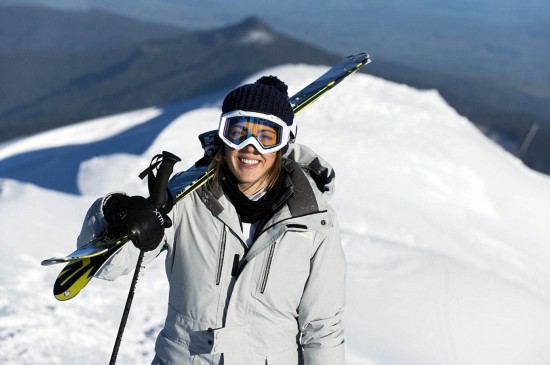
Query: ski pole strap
x=155 y=162
x=159 y=193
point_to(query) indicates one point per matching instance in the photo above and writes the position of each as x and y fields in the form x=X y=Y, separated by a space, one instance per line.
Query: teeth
x=249 y=162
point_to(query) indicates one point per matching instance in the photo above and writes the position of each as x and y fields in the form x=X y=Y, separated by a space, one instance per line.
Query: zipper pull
x=235 y=268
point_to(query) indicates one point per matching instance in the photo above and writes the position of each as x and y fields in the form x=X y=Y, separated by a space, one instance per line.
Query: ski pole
x=157 y=198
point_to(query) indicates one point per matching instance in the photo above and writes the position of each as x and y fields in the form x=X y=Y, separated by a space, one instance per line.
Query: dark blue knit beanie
x=268 y=95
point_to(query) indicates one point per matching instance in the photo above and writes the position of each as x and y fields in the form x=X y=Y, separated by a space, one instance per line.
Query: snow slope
x=445 y=234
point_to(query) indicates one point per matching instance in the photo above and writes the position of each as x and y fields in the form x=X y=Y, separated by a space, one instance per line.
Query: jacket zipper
x=270 y=254
x=221 y=256
x=267 y=268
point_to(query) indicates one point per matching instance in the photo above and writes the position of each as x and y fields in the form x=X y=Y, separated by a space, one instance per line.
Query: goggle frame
x=253 y=140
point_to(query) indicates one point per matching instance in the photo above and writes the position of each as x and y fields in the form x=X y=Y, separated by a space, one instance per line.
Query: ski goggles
x=266 y=132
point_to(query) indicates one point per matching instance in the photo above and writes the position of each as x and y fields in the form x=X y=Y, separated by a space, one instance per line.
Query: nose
x=249 y=148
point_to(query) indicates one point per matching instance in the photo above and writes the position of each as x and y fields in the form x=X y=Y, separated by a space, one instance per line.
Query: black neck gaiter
x=252 y=211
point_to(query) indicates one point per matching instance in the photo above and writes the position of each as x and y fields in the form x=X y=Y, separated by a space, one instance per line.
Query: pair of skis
x=85 y=262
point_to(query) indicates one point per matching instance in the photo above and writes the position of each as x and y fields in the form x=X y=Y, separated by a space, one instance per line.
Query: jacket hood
x=319 y=171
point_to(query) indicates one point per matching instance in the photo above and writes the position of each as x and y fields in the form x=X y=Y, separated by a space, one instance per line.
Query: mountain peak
x=252 y=22
x=253 y=30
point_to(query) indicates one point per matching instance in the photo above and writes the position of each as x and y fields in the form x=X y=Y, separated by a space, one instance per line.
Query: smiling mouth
x=248 y=161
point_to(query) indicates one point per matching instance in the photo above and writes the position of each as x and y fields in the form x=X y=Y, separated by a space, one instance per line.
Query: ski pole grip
x=161 y=181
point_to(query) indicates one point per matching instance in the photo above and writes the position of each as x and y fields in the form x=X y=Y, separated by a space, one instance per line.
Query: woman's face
x=249 y=167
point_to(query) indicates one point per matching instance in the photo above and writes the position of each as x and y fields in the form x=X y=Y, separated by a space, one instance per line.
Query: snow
x=81 y=133
x=446 y=235
x=258 y=36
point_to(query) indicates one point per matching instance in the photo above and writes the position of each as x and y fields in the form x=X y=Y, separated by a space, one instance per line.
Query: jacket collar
x=299 y=195
x=301 y=203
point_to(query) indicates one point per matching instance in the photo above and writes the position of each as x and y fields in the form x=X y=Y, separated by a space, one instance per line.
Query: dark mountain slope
x=42 y=90
x=27 y=28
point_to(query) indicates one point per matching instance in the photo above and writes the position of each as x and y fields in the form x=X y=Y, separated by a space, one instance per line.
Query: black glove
x=137 y=218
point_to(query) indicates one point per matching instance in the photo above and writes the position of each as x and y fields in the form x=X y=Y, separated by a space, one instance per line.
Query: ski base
x=76 y=275
x=93 y=248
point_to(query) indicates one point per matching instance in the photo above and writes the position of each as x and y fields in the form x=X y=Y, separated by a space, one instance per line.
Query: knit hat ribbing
x=267 y=95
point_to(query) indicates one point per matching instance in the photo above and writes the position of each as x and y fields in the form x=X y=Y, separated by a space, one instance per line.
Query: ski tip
x=363 y=55
x=52 y=261
x=362 y=59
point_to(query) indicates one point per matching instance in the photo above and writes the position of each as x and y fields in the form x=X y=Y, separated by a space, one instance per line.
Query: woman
x=254 y=261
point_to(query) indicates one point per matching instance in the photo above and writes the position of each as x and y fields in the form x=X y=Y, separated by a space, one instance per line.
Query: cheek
x=273 y=160
x=270 y=160
x=230 y=156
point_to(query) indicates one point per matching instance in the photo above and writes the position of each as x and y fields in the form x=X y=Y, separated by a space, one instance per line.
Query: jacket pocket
x=292 y=229
x=284 y=269
x=267 y=268
x=221 y=256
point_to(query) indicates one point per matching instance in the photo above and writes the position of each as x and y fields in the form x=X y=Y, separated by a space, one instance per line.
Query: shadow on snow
x=57 y=168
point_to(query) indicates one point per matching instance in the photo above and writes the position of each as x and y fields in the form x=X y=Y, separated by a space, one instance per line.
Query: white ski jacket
x=280 y=302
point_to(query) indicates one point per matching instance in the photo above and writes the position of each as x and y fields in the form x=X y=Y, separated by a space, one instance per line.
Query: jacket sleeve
x=322 y=305
x=124 y=261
